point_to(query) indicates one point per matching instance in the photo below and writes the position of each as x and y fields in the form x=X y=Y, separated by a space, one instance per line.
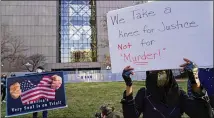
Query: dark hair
x=40 y=67
x=98 y=115
x=4 y=76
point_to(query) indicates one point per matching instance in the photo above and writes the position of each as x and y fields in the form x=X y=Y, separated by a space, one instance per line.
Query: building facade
x=72 y=35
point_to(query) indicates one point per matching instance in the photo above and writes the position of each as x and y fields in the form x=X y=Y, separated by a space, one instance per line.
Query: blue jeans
x=44 y=114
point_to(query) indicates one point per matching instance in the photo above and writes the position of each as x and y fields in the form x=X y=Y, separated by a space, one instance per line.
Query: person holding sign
x=3 y=87
x=162 y=97
x=207 y=80
x=44 y=113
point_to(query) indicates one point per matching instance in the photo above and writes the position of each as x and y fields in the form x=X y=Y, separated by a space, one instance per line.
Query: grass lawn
x=84 y=99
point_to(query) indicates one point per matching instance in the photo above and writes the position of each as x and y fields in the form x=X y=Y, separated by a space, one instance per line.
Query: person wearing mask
x=162 y=98
x=3 y=87
x=44 y=113
x=206 y=77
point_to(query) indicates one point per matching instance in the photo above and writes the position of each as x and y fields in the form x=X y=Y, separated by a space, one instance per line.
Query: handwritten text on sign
x=159 y=35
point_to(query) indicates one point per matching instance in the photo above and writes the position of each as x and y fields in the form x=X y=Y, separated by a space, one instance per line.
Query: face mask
x=162 y=78
x=39 y=71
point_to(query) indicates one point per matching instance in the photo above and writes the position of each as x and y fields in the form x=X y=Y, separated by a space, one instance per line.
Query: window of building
x=78 y=39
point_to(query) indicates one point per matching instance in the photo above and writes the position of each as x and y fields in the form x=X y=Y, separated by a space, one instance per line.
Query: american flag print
x=32 y=93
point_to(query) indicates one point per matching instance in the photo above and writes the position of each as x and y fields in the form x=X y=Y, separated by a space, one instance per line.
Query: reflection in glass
x=78 y=31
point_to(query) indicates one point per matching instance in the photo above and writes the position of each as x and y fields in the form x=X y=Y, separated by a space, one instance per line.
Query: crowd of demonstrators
x=3 y=87
x=162 y=97
x=44 y=113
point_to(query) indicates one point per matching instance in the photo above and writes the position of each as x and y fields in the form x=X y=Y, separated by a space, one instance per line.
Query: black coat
x=167 y=102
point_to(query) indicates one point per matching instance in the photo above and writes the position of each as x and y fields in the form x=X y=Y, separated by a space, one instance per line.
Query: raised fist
x=127 y=71
x=192 y=70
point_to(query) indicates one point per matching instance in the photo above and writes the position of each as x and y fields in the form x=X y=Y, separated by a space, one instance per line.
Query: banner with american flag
x=35 y=92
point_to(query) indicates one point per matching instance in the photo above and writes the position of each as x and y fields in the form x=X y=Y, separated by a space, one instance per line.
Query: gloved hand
x=126 y=75
x=192 y=70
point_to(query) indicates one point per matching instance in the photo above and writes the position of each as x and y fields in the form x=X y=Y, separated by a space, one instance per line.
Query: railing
x=103 y=76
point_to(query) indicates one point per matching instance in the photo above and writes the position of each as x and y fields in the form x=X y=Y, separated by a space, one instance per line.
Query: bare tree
x=5 y=40
x=11 y=46
x=20 y=62
x=32 y=62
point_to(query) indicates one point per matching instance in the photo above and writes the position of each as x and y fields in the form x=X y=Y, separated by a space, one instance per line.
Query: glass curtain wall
x=78 y=39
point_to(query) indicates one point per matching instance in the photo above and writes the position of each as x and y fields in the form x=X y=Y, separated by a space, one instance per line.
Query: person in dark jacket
x=44 y=113
x=206 y=76
x=108 y=112
x=3 y=87
x=13 y=75
x=162 y=97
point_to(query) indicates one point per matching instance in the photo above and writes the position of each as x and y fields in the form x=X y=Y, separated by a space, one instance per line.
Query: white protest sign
x=158 y=35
